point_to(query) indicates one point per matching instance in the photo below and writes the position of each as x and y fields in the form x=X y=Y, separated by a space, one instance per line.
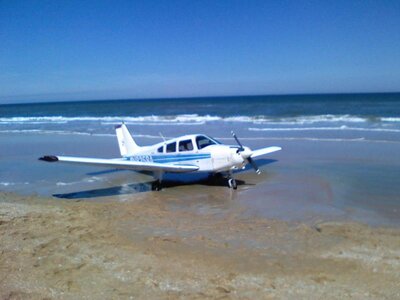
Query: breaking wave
x=61 y=132
x=390 y=119
x=186 y=118
x=344 y=127
x=196 y=119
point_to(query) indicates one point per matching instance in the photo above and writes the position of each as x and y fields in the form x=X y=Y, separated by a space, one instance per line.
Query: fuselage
x=200 y=150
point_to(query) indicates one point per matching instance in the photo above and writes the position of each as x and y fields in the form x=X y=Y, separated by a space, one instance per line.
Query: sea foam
x=343 y=127
x=191 y=118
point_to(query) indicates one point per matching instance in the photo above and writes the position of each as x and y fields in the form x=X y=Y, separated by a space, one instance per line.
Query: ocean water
x=340 y=156
x=367 y=116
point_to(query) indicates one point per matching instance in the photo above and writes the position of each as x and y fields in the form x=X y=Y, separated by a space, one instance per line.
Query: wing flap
x=264 y=151
x=122 y=164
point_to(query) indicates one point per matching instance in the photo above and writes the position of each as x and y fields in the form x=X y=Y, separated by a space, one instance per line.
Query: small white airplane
x=188 y=153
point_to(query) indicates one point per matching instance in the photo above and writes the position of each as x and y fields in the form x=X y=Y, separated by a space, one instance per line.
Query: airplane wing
x=122 y=164
x=263 y=151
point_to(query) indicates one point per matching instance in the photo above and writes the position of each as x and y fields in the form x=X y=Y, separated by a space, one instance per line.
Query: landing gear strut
x=157 y=185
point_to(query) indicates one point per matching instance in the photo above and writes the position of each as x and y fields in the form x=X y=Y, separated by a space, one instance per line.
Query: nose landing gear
x=232 y=183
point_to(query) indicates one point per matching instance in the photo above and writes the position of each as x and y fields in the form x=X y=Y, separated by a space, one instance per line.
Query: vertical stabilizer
x=127 y=145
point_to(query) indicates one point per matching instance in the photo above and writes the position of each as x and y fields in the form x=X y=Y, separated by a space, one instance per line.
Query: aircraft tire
x=156 y=186
x=232 y=183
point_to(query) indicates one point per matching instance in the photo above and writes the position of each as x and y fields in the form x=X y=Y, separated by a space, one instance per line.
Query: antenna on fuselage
x=162 y=136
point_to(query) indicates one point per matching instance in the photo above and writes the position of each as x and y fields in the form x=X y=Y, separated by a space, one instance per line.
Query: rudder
x=127 y=145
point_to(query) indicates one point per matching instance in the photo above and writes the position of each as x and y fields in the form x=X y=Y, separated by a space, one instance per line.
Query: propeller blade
x=237 y=141
x=252 y=162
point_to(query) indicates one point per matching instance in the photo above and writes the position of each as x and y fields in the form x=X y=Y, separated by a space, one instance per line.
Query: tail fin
x=127 y=145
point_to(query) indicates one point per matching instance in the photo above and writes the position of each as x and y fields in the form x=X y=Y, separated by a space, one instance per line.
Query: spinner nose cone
x=246 y=153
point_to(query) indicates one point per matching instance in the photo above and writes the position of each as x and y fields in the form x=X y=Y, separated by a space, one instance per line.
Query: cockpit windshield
x=203 y=141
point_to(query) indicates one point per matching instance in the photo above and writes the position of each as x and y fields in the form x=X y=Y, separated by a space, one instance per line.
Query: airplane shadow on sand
x=169 y=181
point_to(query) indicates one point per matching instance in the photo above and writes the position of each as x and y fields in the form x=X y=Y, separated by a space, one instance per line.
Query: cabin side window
x=186 y=145
x=171 y=147
x=161 y=149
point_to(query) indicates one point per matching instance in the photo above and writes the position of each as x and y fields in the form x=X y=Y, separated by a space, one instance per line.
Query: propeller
x=248 y=158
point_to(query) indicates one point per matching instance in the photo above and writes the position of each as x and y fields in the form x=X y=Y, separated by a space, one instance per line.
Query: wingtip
x=49 y=158
x=120 y=125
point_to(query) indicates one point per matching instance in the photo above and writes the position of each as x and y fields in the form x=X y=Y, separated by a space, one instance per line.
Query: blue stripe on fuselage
x=169 y=158
x=165 y=158
x=178 y=157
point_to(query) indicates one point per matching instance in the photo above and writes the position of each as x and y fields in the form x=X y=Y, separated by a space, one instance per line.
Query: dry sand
x=52 y=249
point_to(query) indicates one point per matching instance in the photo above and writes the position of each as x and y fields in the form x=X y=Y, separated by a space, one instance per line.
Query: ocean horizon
x=49 y=101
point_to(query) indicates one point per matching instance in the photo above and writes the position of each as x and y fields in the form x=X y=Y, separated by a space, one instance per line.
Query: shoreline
x=143 y=249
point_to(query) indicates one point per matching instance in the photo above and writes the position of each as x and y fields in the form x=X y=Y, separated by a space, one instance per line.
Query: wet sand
x=52 y=249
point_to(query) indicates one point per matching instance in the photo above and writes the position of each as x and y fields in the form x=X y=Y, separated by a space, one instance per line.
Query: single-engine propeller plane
x=189 y=153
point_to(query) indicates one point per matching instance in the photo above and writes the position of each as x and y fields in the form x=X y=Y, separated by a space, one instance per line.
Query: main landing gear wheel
x=232 y=183
x=156 y=186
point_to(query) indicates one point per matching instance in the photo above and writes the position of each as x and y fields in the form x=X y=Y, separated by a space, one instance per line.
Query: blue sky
x=72 y=50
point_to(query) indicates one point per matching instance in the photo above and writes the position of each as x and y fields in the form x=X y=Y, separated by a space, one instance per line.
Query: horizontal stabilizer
x=120 y=163
x=264 y=151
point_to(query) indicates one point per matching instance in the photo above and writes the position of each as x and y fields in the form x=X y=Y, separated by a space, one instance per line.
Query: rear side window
x=161 y=149
x=171 y=147
x=186 y=145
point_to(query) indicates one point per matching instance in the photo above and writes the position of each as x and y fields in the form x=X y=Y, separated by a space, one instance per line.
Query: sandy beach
x=52 y=249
